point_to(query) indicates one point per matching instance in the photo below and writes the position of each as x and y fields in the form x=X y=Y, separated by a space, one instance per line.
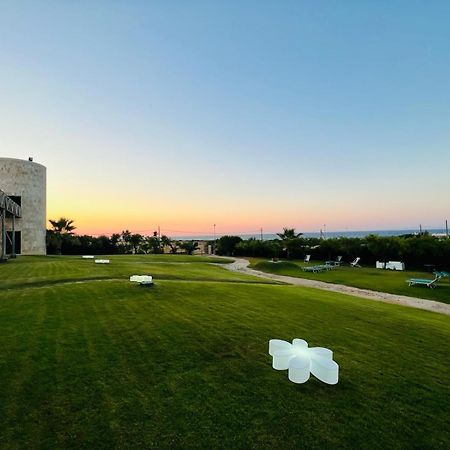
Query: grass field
x=35 y=271
x=89 y=360
x=390 y=281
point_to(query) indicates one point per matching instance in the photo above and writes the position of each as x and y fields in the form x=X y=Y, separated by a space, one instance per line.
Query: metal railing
x=10 y=206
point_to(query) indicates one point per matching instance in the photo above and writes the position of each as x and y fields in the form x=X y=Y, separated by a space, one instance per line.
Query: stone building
x=24 y=182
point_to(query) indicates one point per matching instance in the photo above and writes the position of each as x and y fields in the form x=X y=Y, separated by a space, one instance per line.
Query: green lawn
x=43 y=270
x=390 y=281
x=109 y=364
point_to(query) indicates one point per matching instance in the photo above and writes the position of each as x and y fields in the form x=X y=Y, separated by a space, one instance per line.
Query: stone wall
x=27 y=179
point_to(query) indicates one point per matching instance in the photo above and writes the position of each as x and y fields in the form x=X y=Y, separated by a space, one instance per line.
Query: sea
x=327 y=234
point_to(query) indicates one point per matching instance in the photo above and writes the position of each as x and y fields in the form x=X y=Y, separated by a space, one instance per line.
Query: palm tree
x=61 y=229
x=290 y=239
x=289 y=233
x=63 y=226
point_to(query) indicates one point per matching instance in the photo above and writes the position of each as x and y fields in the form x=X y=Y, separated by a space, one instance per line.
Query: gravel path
x=241 y=265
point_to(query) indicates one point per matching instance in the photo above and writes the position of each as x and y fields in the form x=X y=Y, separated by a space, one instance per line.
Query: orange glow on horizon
x=191 y=224
x=109 y=212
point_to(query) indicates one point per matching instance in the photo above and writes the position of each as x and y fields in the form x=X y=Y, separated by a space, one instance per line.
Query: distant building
x=24 y=182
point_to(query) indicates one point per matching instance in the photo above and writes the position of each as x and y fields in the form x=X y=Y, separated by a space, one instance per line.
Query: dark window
x=18 y=238
x=16 y=198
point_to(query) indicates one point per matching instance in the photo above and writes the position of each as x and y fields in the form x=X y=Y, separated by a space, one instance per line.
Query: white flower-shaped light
x=301 y=360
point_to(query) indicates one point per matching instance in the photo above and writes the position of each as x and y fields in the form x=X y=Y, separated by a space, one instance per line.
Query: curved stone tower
x=25 y=182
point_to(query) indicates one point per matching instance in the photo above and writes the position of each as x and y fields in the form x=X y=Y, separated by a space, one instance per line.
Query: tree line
x=61 y=240
x=415 y=250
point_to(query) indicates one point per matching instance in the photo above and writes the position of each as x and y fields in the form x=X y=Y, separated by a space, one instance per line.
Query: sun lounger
x=442 y=274
x=311 y=269
x=318 y=268
x=88 y=257
x=307 y=258
x=423 y=282
x=355 y=262
x=102 y=261
x=336 y=262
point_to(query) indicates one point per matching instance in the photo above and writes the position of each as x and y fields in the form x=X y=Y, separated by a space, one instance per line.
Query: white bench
x=102 y=261
x=88 y=257
x=143 y=280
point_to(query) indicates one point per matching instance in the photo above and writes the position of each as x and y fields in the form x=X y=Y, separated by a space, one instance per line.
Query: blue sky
x=244 y=114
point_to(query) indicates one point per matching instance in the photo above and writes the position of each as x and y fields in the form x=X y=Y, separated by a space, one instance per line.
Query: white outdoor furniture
x=391 y=265
x=338 y=261
x=88 y=257
x=143 y=280
x=307 y=258
x=102 y=261
x=355 y=262
x=424 y=281
x=395 y=265
x=301 y=360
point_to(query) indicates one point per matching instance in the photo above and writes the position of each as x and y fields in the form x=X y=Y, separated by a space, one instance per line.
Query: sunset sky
x=245 y=114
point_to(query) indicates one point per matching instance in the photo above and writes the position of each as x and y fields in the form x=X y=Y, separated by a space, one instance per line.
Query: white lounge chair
x=355 y=262
x=307 y=258
x=102 y=261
